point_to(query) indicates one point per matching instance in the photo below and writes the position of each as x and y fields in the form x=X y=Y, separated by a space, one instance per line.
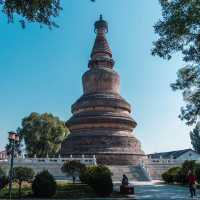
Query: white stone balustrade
x=53 y=165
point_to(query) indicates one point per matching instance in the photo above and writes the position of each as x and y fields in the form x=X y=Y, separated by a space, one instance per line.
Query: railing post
x=94 y=160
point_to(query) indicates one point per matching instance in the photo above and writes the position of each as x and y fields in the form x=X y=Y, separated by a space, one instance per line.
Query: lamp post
x=13 y=139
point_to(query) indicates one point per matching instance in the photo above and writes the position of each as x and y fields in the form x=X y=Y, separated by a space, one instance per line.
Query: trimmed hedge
x=44 y=185
x=170 y=176
x=179 y=174
x=98 y=178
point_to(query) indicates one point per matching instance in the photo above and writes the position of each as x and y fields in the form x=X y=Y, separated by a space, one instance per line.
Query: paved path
x=159 y=191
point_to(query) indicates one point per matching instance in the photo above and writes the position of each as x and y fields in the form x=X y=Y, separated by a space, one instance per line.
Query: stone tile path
x=159 y=191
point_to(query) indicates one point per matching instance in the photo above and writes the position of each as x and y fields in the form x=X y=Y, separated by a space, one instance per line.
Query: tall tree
x=43 y=134
x=195 y=137
x=179 y=31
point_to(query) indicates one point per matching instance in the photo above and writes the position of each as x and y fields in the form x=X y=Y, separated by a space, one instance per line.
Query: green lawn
x=64 y=191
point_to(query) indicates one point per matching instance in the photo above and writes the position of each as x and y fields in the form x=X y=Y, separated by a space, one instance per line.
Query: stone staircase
x=134 y=173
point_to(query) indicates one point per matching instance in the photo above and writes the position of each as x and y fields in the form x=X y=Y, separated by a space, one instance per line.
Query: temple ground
x=143 y=190
x=160 y=191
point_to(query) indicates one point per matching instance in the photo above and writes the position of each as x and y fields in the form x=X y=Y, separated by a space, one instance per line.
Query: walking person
x=192 y=183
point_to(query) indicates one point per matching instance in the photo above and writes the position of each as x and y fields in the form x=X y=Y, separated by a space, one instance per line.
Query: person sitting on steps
x=125 y=187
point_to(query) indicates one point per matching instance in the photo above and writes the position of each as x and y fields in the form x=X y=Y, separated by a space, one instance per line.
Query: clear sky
x=40 y=69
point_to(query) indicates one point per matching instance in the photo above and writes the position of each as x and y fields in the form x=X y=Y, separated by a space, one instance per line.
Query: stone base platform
x=134 y=173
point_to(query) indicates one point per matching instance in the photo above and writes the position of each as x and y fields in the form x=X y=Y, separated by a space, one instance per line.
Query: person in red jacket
x=192 y=181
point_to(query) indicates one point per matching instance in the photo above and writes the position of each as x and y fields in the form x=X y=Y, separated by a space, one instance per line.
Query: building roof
x=170 y=154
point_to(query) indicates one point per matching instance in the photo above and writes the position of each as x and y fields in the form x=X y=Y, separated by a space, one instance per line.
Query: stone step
x=134 y=173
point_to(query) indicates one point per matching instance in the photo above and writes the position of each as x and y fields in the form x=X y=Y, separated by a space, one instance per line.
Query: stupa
x=101 y=123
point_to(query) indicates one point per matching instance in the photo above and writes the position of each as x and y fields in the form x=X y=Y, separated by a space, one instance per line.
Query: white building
x=180 y=155
x=3 y=155
x=158 y=163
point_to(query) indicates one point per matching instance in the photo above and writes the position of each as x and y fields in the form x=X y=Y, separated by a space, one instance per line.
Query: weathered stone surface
x=101 y=123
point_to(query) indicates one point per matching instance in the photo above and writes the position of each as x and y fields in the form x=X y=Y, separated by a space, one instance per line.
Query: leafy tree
x=179 y=31
x=195 y=137
x=22 y=174
x=31 y=11
x=3 y=179
x=73 y=168
x=43 y=134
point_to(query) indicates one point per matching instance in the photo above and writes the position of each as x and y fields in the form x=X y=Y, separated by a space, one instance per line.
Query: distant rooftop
x=170 y=154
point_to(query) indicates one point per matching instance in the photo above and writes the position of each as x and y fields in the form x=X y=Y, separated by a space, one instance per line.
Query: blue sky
x=40 y=69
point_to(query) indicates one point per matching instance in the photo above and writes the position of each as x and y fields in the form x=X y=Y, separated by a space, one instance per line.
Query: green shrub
x=183 y=172
x=170 y=176
x=44 y=185
x=3 y=179
x=197 y=172
x=98 y=178
x=179 y=174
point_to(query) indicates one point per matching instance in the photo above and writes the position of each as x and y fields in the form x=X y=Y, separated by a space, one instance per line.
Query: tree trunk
x=74 y=179
x=20 y=189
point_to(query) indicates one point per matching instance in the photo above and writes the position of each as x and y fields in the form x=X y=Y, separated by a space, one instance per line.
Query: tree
x=3 y=179
x=73 y=169
x=43 y=134
x=22 y=174
x=195 y=137
x=34 y=11
x=179 y=31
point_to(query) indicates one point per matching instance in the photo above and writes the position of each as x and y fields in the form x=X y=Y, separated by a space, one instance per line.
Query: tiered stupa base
x=108 y=149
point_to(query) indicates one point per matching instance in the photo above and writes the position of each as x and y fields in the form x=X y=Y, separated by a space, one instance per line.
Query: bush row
x=44 y=184
x=179 y=174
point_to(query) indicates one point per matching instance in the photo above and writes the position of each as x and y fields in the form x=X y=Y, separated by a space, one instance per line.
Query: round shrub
x=182 y=173
x=98 y=178
x=44 y=185
x=171 y=175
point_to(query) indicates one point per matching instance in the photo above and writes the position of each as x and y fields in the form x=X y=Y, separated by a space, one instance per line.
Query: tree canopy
x=179 y=31
x=31 y=11
x=3 y=179
x=43 y=134
x=73 y=168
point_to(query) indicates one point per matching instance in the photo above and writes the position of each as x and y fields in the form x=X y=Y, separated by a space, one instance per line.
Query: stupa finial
x=101 y=53
x=101 y=17
x=101 y=25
